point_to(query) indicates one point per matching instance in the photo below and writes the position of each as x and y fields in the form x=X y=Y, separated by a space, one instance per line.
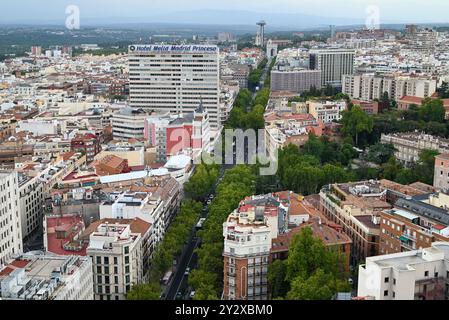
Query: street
x=178 y=288
x=189 y=259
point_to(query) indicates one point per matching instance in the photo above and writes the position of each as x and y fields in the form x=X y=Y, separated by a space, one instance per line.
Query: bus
x=200 y=224
x=167 y=277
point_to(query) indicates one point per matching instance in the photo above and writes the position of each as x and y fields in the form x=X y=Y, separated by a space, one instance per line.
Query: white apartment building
x=246 y=254
x=47 y=277
x=146 y=206
x=413 y=275
x=327 y=111
x=128 y=123
x=31 y=204
x=409 y=145
x=368 y=87
x=10 y=223
x=118 y=256
x=41 y=127
x=175 y=78
x=333 y=63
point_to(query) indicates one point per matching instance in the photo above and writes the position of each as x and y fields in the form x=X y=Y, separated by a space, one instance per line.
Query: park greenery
x=256 y=74
x=248 y=113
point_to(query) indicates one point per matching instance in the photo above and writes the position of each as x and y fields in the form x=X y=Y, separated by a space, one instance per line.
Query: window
x=98 y=260
x=386 y=293
x=436 y=274
x=126 y=250
x=426 y=273
x=394 y=281
x=387 y=280
x=106 y=260
x=115 y=260
x=394 y=294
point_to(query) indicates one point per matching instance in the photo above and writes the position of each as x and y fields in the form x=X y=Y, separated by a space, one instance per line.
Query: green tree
x=315 y=287
x=391 y=169
x=149 y=291
x=277 y=272
x=380 y=153
x=306 y=255
x=432 y=110
x=426 y=166
x=355 y=122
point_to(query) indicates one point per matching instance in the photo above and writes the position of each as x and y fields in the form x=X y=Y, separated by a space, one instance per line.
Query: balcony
x=408 y=246
x=408 y=236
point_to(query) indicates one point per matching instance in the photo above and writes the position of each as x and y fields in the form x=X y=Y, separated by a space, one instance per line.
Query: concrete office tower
x=332 y=31
x=128 y=123
x=333 y=63
x=260 y=38
x=295 y=80
x=10 y=224
x=175 y=78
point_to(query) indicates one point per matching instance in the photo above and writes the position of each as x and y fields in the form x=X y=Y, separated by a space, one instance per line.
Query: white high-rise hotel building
x=175 y=78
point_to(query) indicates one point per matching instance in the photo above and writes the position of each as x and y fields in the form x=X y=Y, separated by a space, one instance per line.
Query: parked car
x=192 y=295
x=187 y=272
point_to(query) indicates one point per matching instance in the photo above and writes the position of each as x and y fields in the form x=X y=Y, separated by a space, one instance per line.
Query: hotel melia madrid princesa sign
x=172 y=48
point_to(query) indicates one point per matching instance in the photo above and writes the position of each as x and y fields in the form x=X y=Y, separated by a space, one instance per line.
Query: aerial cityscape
x=212 y=154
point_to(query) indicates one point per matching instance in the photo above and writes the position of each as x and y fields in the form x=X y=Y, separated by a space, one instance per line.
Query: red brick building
x=89 y=144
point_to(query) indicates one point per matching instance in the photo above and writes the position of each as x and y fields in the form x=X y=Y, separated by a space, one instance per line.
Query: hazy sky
x=390 y=10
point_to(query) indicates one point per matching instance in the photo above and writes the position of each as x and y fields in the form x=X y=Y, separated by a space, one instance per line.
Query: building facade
x=414 y=275
x=175 y=78
x=89 y=144
x=297 y=81
x=47 y=277
x=31 y=198
x=118 y=252
x=333 y=64
x=368 y=87
x=10 y=222
x=128 y=124
x=327 y=111
x=409 y=145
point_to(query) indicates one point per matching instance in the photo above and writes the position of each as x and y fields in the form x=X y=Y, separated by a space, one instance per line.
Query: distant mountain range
x=231 y=17
x=208 y=17
x=231 y=20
